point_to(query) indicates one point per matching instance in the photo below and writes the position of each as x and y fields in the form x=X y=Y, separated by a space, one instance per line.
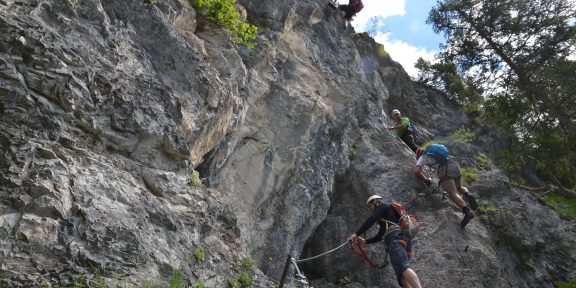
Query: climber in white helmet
x=398 y=244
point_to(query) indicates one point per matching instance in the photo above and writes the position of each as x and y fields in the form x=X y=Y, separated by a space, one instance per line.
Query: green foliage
x=482 y=160
x=486 y=55
x=152 y=2
x=463 y=135
x=248 y=264
x=176 y=280
x=382 y=53
x=486 y=212
x=222 y=13
x=469 y=175
x=508 y=161
x=444 y=76
x=199 y=254
x=100 y=283
x=565 y=207
x=488 y=209
x=233 y=283
x=195 y=180
x=245 y=280
x=569 y=284
x=352 y=150
x=245 y=276
x=199 y=285
x=80 y=281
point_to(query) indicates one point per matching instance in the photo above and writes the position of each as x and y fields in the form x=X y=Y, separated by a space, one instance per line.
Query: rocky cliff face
x=108 y=106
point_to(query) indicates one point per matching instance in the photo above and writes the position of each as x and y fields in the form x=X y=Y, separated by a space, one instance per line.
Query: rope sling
x=301 y=279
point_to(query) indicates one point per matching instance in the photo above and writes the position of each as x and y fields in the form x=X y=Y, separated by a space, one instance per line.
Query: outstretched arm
x=376 y=237
x=398 y=127
x=378 y=213
x=419 y=173
x=419 y=167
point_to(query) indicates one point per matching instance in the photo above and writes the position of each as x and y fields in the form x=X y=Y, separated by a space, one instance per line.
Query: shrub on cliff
x=222 y=13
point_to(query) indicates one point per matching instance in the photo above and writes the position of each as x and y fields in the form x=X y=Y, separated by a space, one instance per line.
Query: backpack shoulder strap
x=398 y=208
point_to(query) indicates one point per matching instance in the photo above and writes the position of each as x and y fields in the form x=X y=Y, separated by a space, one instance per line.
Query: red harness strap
x=405 y=245
x=358 y=250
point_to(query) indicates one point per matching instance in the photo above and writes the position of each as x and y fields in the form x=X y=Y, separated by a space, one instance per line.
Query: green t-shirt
x=402 y=121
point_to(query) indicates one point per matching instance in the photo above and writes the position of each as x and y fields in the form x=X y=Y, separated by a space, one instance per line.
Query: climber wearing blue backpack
x=405 y=129
x=449 y=178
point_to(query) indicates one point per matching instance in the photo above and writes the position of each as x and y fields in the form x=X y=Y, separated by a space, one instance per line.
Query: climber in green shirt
x=404 y=129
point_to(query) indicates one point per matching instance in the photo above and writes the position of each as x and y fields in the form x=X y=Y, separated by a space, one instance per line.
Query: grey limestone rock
x=107 y=107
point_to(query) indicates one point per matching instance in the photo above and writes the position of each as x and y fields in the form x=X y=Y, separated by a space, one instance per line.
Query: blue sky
x=401 y=28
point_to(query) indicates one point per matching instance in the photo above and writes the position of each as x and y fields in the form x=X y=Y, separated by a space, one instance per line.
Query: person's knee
x=409 y=274
x=451 y=190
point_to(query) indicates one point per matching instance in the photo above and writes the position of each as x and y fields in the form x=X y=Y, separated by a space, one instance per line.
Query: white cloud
x=404 y=53
x=400 y=51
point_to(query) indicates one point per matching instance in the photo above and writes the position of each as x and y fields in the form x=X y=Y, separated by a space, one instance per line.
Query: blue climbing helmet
x=437 y=152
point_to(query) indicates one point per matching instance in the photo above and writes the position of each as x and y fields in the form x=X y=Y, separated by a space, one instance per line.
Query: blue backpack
x=437 y=151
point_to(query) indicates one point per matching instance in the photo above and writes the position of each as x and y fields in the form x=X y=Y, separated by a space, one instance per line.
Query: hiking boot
x=467 y=217
x=471 y=201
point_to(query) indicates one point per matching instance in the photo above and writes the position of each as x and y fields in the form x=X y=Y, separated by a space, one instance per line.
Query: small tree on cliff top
x=222 y=13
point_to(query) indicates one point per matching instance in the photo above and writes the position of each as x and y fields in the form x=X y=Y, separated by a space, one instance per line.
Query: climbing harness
x=436 y=189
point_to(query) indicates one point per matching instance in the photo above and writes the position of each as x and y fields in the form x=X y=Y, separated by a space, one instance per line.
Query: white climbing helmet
x=395 y=112
x=372 y=198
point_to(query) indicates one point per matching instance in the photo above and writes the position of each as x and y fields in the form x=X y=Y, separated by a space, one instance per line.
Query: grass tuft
x=565 y=207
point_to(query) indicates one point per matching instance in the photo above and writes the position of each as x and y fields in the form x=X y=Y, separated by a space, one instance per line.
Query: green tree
x=514 y=59
x=223 y=13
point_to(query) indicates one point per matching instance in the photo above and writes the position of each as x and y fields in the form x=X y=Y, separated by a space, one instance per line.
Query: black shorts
x=399 y=247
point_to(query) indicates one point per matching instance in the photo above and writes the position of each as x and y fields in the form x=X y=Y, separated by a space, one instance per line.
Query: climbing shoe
x=471 y=201
x=467 y=217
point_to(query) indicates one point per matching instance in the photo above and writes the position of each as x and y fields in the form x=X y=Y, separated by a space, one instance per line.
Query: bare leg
x=456 y=197
x=410 y=279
